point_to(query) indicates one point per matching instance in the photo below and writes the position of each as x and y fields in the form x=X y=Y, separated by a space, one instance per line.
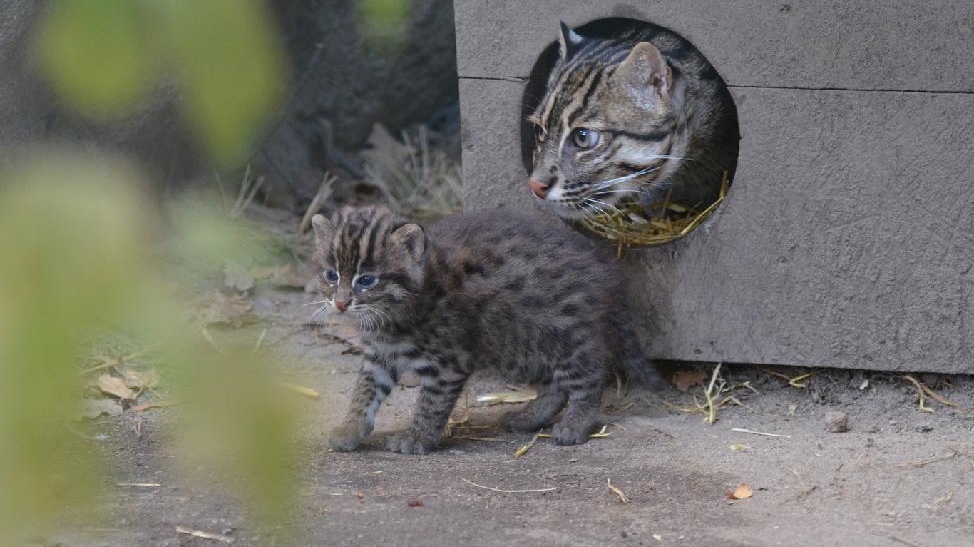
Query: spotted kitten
x=498 y=291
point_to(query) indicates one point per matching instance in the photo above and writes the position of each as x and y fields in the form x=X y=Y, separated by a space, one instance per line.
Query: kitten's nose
x=342 y=305
x=540 y=187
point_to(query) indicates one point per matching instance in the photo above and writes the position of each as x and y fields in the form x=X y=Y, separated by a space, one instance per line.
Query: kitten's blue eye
x=331 y=276
x=366 y=281
x=584 y=137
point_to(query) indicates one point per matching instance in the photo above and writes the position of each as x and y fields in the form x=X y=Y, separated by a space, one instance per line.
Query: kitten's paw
x=345 y=439
x=572 y=432
x=408 y=442
x=521 y=422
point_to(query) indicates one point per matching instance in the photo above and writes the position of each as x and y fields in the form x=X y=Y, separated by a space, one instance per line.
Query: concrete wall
x=848 y=237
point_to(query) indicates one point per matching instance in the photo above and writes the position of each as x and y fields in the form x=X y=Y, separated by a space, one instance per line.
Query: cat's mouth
x=586 y=205
x=366 y=316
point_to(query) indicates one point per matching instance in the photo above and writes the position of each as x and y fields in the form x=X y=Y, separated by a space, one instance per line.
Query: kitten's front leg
x=437 y=396
x=373 y=385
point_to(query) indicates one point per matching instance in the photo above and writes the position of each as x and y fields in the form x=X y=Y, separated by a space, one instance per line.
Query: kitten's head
x=370 y=264
x=606 y=126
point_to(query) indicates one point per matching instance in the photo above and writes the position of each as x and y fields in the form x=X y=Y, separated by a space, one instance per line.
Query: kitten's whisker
x=320 y=312
x=314 y=303
x=383 y=315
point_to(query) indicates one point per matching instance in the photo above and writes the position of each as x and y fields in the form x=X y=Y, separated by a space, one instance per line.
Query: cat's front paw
x=409 y=442
x=572 y=432
x=345 y=438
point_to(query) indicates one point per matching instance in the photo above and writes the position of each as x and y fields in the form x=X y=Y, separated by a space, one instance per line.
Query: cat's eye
x=331 y=276
x=539 y=133
x=366 y=281
x=584 y=137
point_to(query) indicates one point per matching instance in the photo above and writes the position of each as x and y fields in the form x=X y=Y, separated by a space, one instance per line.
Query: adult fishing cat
x=631 y=112
x=499 y=291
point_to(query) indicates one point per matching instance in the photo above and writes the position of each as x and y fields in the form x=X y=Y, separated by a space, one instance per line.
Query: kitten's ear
x=324 y=229
x=569 y=41
x=645 y=71
x=410 y=237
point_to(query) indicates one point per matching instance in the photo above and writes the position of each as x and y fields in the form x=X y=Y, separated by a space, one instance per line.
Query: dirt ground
x=899 y=476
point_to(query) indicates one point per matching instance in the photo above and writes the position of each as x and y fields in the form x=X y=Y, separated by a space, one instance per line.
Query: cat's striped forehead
x=358 y=243
x=575 y=82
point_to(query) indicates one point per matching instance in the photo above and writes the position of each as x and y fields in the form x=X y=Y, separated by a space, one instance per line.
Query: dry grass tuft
x=416 y=179
x=628 y=225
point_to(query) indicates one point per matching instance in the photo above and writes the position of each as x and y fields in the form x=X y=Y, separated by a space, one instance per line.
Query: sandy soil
x=899 y=476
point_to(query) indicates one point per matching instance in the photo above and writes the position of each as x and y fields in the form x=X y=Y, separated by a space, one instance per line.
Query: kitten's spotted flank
x=499 y=291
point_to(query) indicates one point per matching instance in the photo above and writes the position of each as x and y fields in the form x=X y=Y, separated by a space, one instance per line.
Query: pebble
x=836 y=422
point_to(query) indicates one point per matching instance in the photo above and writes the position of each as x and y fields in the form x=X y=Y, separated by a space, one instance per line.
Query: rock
x=836 y=421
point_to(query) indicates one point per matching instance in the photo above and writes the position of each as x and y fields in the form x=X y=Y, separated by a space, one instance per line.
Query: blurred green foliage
x=82 y=250
x=64 y=265
x=103 y=55
x=383 y=23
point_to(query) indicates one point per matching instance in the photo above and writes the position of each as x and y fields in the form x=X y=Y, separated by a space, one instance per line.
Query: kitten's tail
x=631 y=358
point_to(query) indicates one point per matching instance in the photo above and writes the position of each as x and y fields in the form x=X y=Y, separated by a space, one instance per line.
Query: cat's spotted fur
x=499 y=291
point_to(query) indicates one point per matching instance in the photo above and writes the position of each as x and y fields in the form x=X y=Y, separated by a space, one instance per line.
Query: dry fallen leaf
x=743 y=491
x=114 y=386
x=237 y=277
x=685 y=379
x=284 y=276
x=216 y=307
x=615 y=490
x=94 y=408
x=141 y=380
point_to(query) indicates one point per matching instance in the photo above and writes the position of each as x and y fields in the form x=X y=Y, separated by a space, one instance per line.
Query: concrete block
x=847 y=239
x=847 y=44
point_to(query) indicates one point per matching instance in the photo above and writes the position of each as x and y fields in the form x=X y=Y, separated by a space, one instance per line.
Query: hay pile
x=629 y=224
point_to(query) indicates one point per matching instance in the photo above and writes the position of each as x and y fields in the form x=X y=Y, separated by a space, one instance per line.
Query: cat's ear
x=410 y=237
x=569 y=41
x=324 y=229
x=645 y=71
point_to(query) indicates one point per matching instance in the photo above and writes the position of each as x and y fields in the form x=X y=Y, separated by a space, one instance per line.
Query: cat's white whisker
x=601 y=205
x=619 y=180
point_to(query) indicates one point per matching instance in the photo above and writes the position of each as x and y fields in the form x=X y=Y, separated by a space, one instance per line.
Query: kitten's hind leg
x=538 y=413
x=437 y=396
x=373 y=385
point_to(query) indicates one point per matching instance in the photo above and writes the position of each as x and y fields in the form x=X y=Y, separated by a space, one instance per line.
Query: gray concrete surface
x=846 y=240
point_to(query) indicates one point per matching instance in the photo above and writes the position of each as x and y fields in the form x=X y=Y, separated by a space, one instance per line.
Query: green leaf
x=227 y=59
x=95 y=54
x=383 y=23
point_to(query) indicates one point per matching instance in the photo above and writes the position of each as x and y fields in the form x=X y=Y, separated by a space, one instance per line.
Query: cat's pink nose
x=342 y=305
x=540 y=188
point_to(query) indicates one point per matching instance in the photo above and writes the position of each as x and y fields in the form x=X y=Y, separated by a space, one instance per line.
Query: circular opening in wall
x=628 y=132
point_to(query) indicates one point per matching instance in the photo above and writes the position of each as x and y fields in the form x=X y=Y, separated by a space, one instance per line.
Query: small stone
x=836 y=422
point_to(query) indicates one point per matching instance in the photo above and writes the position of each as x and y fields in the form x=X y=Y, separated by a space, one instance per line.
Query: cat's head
x=370 y=264
x=606 y=127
